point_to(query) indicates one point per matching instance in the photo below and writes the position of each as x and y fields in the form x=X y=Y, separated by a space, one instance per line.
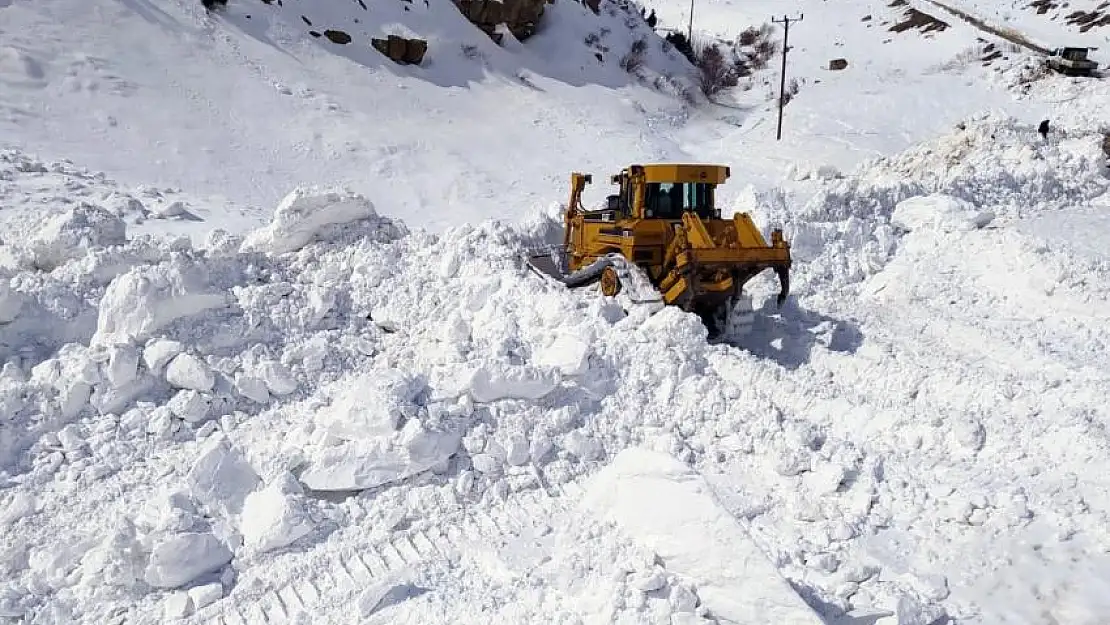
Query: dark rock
x=337 y=36
x=519 y=16
x=401 y=50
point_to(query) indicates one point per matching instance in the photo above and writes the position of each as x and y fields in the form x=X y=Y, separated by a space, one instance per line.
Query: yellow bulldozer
x=663 y=227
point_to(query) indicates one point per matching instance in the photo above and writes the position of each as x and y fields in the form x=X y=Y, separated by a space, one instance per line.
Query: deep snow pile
x=990 y=165
x=205 y=397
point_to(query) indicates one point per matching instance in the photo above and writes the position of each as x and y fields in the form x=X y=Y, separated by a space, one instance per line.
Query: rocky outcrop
x=338 y=36
x=401 y=50
x=520 y=16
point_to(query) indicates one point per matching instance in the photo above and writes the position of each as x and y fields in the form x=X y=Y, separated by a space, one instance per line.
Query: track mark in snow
x=424 y=545
x=345 y=574
x=377 y=564
x=289 y=597
x=272 y=608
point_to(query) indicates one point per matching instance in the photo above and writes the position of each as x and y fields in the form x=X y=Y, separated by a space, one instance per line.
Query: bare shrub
x=748 y=36
x=791 y=91
x=717 y=72
x=634 y=59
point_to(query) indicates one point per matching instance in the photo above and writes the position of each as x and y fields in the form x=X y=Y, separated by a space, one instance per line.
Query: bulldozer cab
x=668 y=200
x=1071 y=53
x=667 y=191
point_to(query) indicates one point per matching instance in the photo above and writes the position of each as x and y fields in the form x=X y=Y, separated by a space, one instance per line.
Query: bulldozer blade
x=545 y=265
x=587 y=275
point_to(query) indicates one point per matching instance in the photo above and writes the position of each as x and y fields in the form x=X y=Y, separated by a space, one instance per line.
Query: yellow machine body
x=664 y=219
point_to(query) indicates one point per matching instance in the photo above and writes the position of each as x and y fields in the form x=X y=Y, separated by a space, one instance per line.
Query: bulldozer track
x=345 y=573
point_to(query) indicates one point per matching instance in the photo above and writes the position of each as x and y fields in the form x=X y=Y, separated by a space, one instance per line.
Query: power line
x=785 y=21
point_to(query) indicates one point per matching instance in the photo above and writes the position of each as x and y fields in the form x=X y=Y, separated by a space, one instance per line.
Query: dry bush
x=635 y=57
x=792 y=88
x=717 y=71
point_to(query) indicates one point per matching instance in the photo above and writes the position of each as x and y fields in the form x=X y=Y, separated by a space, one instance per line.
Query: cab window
x=665 y=200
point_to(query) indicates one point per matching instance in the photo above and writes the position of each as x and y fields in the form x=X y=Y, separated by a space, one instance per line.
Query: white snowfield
x=274 y=357
x=916 y=436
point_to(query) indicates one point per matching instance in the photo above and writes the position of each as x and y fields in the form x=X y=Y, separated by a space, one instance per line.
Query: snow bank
x=307 y=215
x=146 y=299
x=72 y=234
x=990 y=163
x=938 y=212
x=665 y=504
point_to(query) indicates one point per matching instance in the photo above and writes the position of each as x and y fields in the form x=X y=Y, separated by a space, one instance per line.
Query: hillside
x=1048 y=22
x=241 y=107
x=270 y=354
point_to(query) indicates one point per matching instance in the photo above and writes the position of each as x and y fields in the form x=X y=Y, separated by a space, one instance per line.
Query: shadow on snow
x=788 y=335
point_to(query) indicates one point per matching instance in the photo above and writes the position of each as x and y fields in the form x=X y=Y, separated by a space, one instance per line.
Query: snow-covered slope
x=243 y=106
x=899 y=87
x=308 y=408
x=1048 y=23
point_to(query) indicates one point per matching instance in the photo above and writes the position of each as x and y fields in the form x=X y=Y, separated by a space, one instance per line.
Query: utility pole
x=785 y=21
x=690 y=28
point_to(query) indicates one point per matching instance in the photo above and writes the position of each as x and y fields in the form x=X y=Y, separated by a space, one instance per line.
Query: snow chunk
x=252 y=388
x=188 y=371
x=358 y=465
x=11 y=302
x=159 y=352
x=148 y=298
x=221 y=478
x=940 y=212
x=493 y=382
x=307 y=215
x=279 y=380
x=181 y=558
x=20 y=505
x=274 y=517
x=189 y=405
x=71 y=234
x=205 y=595
x=371 y=405
x=177 y=606
x=567 y=353
x=673 y=511
x=123 y=365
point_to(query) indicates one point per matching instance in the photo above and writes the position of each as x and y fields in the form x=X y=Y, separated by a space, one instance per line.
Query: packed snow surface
x=666 y=504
